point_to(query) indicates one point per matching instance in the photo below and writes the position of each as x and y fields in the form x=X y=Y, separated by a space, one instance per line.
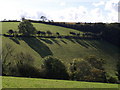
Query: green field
x=18 y=82
x=39 y=26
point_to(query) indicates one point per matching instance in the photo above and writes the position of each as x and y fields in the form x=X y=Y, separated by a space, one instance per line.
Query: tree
x=58 y=34
x=118 y=69
x=54 y=68
x=10 y=32
x=23 y=18
x=43 y=18
x=78 y=34
x=38 y=33
x=81 y=69
x=97 y=63
x=49 y=33
x=7 y=53
x=26 y=28
x=24 y=64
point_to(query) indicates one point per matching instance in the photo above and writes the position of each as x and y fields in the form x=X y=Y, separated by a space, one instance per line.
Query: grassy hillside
x=39 y=26
x=65 y=49
x=17 y=82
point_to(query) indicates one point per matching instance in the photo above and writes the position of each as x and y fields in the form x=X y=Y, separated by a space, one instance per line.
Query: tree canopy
x=26 y=28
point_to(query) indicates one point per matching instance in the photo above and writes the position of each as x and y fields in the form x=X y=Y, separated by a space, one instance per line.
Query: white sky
x=61 y=10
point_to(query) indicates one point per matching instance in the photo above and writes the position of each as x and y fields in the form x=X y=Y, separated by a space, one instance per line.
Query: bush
x=54 y=68
x=97 y=75
x=25 y=66
x=9 y=69
x=83 y=70
x=27 y=70
x=10 y=32
x=21 y=65
x=25 y=58
x=118 y=69
x=97 y=63
x=79 y=69
x=7 y=63
x=112 y=80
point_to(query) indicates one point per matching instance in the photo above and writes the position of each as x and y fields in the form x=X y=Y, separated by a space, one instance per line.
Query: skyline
x=61 y=10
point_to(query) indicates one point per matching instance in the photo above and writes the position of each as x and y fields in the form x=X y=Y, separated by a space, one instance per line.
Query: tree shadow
x=81 y=43
x=55 y=41
x=38 y=46
x=73 y=41
x=63 y=41
x=102 y=46
x=16 y=40
x=47 y=41
x=84 y=41
x=92 y=44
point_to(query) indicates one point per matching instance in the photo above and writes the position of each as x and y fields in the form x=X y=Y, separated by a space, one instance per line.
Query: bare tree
x=24 y=58
x=6 y=54
x=43 y=18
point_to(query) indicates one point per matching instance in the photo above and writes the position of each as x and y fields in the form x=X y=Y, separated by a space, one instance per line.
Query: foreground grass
x=19 y=82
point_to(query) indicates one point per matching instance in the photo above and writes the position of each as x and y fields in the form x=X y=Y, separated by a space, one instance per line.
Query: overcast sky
x=61 y=10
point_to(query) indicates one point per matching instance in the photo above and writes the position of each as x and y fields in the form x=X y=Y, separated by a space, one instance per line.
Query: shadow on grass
x=92 y=44
x=63 y=41
x=86 y=43
x=16 y=40
x=82 y=43
x=38 y=46
x=47 y=41
x=72 y=40
x=55 y=41
x=104 y=47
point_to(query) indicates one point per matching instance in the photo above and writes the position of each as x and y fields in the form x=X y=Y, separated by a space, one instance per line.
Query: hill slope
x=65 y=49
x=39 y=26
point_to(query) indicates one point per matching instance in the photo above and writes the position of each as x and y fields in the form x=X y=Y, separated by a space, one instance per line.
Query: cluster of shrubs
x=118 y=69
x=21 y=65
x=88 y=69
x=54 y=68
